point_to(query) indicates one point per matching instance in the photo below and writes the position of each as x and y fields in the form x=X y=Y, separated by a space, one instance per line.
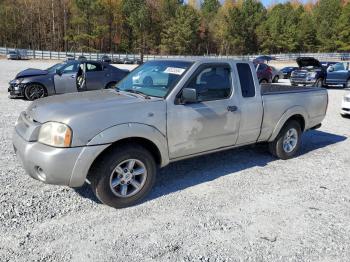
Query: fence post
x=42 y=54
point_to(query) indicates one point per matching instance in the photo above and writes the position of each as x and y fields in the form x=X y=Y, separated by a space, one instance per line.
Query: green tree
x=307 y=33
x=280 y=31
x=180 y=34
x=343 y=29
x=326 y=14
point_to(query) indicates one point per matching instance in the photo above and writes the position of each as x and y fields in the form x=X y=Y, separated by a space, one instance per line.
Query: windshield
x=154 y=78
x=53 y=68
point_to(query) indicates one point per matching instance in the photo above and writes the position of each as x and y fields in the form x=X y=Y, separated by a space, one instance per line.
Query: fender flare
x=137 y=130
x=290 y=112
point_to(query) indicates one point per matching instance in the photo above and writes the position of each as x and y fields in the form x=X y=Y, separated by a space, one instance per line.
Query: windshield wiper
x=135 y=92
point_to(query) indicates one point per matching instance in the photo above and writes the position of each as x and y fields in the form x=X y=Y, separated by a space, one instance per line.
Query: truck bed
x=271 y=89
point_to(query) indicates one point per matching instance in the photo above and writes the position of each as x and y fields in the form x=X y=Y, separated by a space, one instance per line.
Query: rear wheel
x=34 y=91
x=275 y=79
x=124 y=176
x=263 y=81
x=288 y=141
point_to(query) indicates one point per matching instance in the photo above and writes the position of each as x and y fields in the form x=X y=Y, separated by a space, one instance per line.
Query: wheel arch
x=296 y=113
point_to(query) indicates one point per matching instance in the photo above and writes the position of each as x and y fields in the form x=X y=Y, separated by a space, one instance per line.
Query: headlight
x=18 y=81
x=55 y=134
x=312 y=74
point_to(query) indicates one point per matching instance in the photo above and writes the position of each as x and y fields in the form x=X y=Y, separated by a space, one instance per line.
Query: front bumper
x=302 y=81
x=16 y=90
x=345 y=108
x=59 y=166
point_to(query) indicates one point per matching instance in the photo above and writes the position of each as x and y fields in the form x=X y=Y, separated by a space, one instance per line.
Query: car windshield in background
x=154 y=78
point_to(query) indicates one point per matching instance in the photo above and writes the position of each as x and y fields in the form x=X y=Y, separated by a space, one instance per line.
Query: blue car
x=287 y=71
x=339 y=74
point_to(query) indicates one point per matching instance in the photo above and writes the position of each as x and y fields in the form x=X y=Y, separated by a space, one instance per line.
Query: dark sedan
x=264 y=73
x=287 y=71
x=67 y=77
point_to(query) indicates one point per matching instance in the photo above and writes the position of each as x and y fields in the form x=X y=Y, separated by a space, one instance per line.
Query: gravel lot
x=232 y=206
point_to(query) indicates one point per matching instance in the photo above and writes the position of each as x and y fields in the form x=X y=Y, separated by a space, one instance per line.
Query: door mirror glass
x=189 y=95
x=330 y=69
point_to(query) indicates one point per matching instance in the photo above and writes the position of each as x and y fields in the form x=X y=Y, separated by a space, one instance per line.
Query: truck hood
x=89 y=113
x=31 y=72
x=308 y=61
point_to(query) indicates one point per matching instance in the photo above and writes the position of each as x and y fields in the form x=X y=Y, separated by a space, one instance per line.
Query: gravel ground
x=237 y=205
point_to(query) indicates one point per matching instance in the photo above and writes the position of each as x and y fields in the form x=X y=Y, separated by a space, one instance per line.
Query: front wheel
x=319 y=82
x=123 y=176
x=264 y=81
x=347 y=84
x=34 y=91
x=288 y=141
x=276 y=79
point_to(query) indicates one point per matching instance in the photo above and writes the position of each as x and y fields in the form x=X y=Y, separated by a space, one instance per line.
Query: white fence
x=39 y=54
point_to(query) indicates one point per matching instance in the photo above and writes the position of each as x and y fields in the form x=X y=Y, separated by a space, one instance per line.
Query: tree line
x=176 y=27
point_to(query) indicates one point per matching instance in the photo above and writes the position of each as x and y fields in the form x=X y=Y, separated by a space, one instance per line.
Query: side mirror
x=330 y=69
x=58 y=72
x=189 y=95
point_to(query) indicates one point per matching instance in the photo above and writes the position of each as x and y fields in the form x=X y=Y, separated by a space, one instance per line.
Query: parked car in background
x=82 y=58
x=117 y=139
x=106 y=59
x=264 y=73
x=276 y=74
x=339 y=74
x=128 y=61
x=70 y=76
x=287 y=71
x=345 y=107
x=14 y=55
x=69 y=58
x=310 y=72
x=117 y=60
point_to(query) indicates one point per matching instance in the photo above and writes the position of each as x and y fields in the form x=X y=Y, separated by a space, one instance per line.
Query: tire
x=34 y=91
x=148 y=81
x=263 y=81
x=111 y=85
x=319 y=82
x=347 y=84
x=275 y=79
x=114 y=166
x=277 y=147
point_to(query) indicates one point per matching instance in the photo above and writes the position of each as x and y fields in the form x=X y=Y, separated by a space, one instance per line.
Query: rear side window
x=246 y=80
x=92 y=67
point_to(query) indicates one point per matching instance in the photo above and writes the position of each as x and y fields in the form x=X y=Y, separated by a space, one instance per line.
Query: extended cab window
x=246 y=80
x=92 y=67
x=212 y=83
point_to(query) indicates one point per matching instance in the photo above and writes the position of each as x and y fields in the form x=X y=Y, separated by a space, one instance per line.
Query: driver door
x=210 y=123
x=338 y=74
x=66 y=81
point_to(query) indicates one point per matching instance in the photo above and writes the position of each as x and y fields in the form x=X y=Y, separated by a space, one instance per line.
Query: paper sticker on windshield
x=174 y=70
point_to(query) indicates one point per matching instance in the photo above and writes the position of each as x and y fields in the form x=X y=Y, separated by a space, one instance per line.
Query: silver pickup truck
x=163 y=111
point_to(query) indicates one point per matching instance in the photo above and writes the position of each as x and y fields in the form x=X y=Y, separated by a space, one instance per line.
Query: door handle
x=232 y=108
